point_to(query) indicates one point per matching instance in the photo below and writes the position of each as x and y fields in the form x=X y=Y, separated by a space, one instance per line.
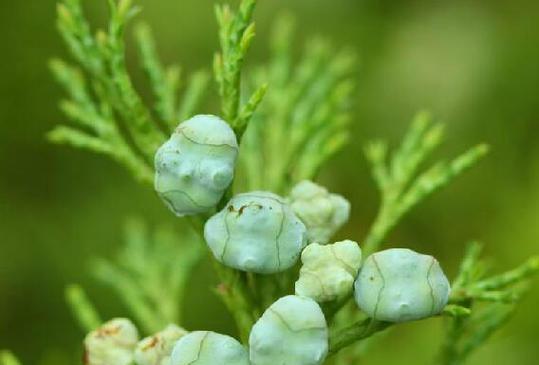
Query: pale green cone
x=399 y=285
x=322 y=212
x=111 y=344
x=256 y=232
x=156 y=349
x=208 y=348
x=195 y=166
x=328 y=271
x=292 y=331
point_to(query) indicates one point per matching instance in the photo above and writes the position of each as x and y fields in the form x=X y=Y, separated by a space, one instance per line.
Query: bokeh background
x=474 y=64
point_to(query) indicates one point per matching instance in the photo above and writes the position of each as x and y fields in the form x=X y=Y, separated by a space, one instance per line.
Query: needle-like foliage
x=304 y=118
x=7 y=358
x=149 y=275
x=490 y=302
x=110 y=116
x=82 y=308
x=401 y=183
x=236 y=32
x=151 y=272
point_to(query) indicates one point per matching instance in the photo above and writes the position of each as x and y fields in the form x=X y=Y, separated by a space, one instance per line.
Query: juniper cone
x=208 y=348
x=292 y=330
x=196 y=165
x=256 y=232
x=111 y=343
x=400 y=285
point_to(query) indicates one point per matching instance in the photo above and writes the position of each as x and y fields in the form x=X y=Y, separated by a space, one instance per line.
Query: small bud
x=328 y=271
x=256 y=232
x=112 y=343
x=292 y=330
x=156 y=349
x=65 y=15
x=323 y=213
x=196 y=165
x=399 y=285
x=208 y=348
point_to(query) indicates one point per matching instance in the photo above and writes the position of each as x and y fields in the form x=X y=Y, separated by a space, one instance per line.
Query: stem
x=524 y=271
x=356 y=332
x=384 y=222
x=235 y=295
x=232 y=289
x=449 y=354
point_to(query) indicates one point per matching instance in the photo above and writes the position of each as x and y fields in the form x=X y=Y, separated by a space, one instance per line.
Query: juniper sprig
x=242 y=182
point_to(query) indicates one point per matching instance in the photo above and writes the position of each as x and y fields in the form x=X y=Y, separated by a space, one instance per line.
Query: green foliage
x=489 y=301
x=304 y=118
x=165 y=83
x=7 y=358
x=402 y=187
x=110 y=115
x=83 y=310
x=150 y=273
x=401 y=184
x=236 y=32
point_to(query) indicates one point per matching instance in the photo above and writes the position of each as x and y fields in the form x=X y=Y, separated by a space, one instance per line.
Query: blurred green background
x=474 y=64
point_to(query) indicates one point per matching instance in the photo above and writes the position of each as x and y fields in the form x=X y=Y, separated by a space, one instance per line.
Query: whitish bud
x=112 y=343
x=328 y=271
x=292 y=330
x=256 y=232
x=400 y=285
x=156 y=349
x=196 y=165
x=208 y=348
x=323 y=213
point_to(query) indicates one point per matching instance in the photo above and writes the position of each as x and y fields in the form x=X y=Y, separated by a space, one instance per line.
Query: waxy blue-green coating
x=196 y=165
x=399 y=285
x=208 y=348
x=292 y=331
x=256 y=232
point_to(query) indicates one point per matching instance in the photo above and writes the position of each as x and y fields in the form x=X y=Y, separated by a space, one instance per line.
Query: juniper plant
x=257 y=214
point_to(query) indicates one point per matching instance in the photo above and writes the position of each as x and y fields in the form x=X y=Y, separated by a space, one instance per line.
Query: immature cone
x=399 y=285
x=292 y=331
x=256 y=232
x=156 y=349
x=328 y=271
x=323 y=213
x=111 y=344
x=196 y=165
x=208 y=348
